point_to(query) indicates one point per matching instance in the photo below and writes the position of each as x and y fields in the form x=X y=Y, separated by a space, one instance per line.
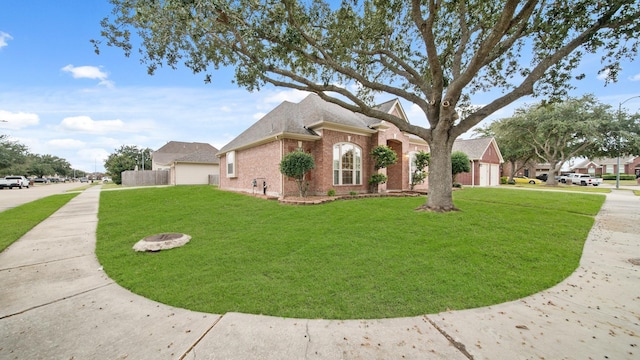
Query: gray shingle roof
x=299 y=119
x=174 y=150
x=474 y=148
x=201 y=157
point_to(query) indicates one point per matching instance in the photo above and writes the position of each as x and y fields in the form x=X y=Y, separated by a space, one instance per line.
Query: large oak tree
x=560 y=131
x=432 y=53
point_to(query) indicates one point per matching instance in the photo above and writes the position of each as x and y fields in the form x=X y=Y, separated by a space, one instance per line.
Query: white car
x=14 y=181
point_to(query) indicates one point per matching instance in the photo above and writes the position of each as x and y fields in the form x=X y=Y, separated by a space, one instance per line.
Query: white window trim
x=231 y=164
x=356 y=170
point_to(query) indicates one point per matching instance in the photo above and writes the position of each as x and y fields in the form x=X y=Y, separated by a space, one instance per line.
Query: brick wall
x=261 y=163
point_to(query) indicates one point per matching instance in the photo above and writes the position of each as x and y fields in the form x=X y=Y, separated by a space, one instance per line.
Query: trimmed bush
x=622 y=177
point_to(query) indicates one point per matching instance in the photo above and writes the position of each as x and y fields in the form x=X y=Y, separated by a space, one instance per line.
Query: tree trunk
x=553 y=171
x=440 y=198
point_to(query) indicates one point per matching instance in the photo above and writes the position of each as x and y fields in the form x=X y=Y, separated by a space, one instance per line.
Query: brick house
x=529 y=169
x=339 y=140
x=485 y=158
x=600 y=166
x=188 y=163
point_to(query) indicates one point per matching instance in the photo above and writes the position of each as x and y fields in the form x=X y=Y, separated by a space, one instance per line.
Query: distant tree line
x=15 y=159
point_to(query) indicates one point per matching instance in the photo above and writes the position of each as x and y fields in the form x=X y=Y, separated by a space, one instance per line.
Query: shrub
x=503 y=180
x=622 y=177
x=331 y=192
x=377 y=179
x=459 y=163
x=296 y=164
x=420 y=162
x=457 y=185
x=353 y=193
x=383 y=156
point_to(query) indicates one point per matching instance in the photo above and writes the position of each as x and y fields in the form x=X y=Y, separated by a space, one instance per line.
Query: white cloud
x=91 y=159
x=259 y=115
x=635 y=77
x=66 y=144
x=291 y=95
x=89 y=72
x=4 y=37
x=603 y=75
x=18 y=120
x=85 y=124
x=416 y=115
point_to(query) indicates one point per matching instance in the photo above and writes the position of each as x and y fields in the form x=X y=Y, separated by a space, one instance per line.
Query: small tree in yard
x=383 y=156
x=420 y=162
x=459 y=164
x=296 y=165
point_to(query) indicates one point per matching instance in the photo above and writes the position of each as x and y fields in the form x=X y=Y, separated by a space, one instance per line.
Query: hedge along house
x=339 y=140
x=485 y=159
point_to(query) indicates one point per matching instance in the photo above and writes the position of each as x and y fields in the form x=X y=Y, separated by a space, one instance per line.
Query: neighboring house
x=600 y=166
x=485 y=158
x=188 y=163
x=339 y=140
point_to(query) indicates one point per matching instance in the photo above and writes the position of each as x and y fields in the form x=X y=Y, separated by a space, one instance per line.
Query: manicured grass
x=562 y=187
x=19 y=220
x=368 y=258
x=622 y=182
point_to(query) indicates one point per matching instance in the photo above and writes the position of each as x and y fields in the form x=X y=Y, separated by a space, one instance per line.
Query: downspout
x=473 y=173
x=281 y=175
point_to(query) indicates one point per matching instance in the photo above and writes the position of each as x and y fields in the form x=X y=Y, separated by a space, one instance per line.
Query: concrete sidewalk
x=55 y=302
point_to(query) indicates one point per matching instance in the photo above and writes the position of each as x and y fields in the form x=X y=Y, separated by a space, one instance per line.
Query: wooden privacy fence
x=214 y=180
x=145 y=177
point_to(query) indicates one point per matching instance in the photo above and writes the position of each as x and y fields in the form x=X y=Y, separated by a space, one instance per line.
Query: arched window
x=347 y=164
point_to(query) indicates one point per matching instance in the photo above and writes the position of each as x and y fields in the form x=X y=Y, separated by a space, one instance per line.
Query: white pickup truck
x=14 y=181
x=584 y=180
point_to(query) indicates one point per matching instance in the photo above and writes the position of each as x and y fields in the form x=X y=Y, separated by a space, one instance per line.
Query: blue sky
x=58 y=97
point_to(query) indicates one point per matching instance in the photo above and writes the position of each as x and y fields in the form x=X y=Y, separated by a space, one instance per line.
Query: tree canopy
x=127 y=157
x=12 y=155
x=434 y=54
x=296 y=165
x=517 y=151
x=557 y=132
x=15 y=159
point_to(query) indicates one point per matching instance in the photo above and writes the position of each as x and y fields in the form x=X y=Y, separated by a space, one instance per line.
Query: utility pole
x=618 y=142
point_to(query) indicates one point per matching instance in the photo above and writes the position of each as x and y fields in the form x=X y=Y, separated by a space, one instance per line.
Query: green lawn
x=562 y=187
x=369 y=258
x=19 y=220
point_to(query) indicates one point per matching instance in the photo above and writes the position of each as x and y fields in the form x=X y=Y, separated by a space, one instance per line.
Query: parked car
x=40 y=180
x=542 y=177
x=584 y=180
x=14 y=181
x=84 y=179
x=565 y=177
x=526 y=180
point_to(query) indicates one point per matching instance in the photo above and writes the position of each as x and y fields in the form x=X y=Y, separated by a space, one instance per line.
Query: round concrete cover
x=161 y=242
